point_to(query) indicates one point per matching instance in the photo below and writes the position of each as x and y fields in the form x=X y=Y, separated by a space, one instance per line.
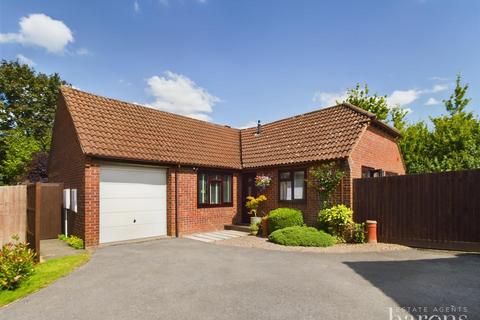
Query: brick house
x=140 y=172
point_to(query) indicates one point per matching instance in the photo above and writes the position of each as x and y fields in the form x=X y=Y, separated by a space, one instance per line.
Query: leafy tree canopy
x=452 y=142
x=28 y=101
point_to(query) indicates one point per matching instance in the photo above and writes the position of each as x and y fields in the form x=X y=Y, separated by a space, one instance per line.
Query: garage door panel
x=129 y=218
x=131 y=190
x=139 y=175
x=108 y=205
x=112 y=234
x=132 y=202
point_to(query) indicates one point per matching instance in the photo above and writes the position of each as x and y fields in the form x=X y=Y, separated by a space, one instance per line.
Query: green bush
x=284 y=217
x=16 y=263
x=338 y=222
x=335 y=220
x=72 y=241
x=301 y=236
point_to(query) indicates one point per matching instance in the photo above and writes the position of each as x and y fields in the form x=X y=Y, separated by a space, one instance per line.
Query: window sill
x=205 y=206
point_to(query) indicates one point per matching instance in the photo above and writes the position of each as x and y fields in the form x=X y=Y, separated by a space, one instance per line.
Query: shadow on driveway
x=422 y=285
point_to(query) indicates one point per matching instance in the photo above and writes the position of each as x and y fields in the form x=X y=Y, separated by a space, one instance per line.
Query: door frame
x=245 y=192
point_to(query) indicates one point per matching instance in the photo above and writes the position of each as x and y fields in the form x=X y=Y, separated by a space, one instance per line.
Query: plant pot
x=255 y=220
x=265 y=228
x=254 y=233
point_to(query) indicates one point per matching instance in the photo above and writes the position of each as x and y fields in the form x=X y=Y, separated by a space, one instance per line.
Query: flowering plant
x=253 y=203
x=262 y=181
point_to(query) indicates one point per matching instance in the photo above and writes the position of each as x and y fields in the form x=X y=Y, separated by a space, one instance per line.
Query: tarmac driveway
x=185 y=279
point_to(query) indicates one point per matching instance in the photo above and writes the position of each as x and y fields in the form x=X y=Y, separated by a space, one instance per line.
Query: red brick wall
x=312 y=205
x=92 y=203
x=190 y=218
x=66 y=164
x=378 y=150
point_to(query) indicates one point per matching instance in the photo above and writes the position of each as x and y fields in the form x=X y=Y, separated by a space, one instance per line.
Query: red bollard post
x=372 y=231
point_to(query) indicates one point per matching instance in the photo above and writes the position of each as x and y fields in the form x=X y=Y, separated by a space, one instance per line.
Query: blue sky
x=234 y=62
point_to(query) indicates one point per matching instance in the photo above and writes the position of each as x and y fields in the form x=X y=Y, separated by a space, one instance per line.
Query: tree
x=457 y=101
x=28 y=101
x=373 y=103
x=18 y=151
x=455 y=142
x=415 y=145
x=377 y=105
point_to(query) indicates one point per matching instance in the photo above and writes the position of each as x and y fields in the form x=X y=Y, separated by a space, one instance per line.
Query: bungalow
x=140 y=172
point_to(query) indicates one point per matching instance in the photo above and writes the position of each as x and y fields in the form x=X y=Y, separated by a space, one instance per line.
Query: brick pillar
x=92 y=204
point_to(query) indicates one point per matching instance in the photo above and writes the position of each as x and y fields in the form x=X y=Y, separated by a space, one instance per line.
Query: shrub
x=355 y=233
x=335 y=220
x=338 y=222
x=16 y=263
x=301 y=236
x=72 y=241
x=284 y=217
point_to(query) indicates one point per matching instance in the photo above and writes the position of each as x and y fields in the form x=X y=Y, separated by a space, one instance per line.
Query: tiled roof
x=109 y=128
x=325 y=134
x=114 y=129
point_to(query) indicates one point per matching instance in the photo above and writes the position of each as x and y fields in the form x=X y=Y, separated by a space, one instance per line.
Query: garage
x=132 y=202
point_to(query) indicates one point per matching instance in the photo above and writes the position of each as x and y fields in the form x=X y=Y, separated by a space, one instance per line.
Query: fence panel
x=436 y=210
x=13 y=212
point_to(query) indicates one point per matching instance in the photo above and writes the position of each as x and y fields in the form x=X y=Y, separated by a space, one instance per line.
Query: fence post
x=38 y=209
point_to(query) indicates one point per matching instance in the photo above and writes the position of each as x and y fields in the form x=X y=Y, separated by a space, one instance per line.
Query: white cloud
x=249 y=124
x=40 y=30
x=83 y=52
x=178 y=94
x=432 y=102
x=136 y=6
x=439 y=87
x=403 y=97
x=24 y=60
x=327 y=99
x=437 y=78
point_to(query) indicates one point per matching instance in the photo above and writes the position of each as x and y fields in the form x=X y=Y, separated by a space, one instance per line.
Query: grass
x=45 y=273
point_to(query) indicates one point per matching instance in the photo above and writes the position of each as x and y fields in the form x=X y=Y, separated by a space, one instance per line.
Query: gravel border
x=263 y=243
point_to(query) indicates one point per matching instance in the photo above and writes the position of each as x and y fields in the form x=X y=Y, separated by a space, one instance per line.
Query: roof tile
x=115 y=129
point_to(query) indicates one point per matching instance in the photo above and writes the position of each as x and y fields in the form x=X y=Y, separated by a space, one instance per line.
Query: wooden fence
x=12 y=212
x=435 y=210
x=33 y=212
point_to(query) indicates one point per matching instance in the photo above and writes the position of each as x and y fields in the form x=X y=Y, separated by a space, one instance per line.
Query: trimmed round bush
x=301 y=236
x=284 y=217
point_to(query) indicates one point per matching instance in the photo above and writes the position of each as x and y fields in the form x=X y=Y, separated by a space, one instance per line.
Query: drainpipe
x=176 y=201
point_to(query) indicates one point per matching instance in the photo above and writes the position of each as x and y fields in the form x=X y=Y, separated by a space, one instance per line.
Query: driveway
x=186 y=279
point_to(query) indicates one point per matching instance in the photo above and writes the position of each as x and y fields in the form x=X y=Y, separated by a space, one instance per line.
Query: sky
x=235 y=62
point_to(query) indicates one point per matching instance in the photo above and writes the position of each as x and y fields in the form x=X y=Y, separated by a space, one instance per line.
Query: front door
x=249 y=189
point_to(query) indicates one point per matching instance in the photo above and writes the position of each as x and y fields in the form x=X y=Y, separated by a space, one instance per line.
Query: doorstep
x=237 y=227
x=216 y=235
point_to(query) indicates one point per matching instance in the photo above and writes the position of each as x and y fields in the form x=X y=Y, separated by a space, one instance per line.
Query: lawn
x=45 y=273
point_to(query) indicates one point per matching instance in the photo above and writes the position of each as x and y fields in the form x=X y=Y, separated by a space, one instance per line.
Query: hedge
x=284 y=217
x=301 y=236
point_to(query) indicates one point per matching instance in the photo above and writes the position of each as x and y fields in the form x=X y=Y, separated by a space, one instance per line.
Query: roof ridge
x=343 y=104
x=62 y=87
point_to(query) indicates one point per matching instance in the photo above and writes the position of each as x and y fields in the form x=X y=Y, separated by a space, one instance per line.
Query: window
x=214 y=189
x=292 y=185
x=368 y=172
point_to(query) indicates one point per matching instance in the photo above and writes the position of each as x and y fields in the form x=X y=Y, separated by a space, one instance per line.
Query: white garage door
x=132 y=202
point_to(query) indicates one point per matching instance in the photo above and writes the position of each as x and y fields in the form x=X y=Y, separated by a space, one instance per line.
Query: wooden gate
x=435 y=210
x=44 y=212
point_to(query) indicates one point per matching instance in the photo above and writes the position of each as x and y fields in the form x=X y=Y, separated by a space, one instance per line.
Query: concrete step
x=237 y=227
